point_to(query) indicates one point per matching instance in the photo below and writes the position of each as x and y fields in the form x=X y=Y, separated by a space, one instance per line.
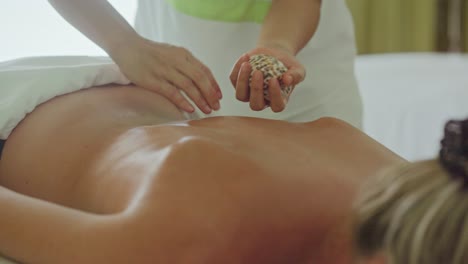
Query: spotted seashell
x=271 y=68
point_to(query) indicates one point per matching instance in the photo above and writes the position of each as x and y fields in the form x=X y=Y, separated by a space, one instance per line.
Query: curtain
x=465 y=25
x=395 y=25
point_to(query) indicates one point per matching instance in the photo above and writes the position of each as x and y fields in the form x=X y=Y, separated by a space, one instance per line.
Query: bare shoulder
x=348 y=137
x=335 y=125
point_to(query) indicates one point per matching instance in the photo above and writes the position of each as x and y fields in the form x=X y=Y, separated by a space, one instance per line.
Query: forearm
x=97 y=20
x=36 y=231
x=290 y=24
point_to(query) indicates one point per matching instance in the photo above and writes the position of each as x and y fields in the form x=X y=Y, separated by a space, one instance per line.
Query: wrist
x=278 y=45
x=121 y=40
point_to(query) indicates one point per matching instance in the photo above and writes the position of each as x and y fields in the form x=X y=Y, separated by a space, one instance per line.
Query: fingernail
x=219 y=94
x=216 y=106
x=290 y=79
x=207 y=109
x=188 y=108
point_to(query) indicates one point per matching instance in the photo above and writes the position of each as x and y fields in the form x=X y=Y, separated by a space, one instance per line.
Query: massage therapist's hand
x=169 y=71
x=254 y=93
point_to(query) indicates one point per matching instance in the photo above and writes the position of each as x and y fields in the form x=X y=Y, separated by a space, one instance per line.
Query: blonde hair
x=416 y=213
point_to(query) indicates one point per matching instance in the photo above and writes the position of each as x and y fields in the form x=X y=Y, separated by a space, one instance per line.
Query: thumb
x=293 y=76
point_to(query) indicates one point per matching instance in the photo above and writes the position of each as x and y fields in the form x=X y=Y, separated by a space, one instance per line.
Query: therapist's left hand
x=253 y=93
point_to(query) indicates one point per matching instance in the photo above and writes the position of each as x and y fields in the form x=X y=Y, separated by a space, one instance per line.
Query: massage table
x=407 y=99
x=409 y=96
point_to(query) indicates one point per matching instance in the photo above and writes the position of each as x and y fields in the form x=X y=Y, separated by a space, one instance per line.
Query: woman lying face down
x=117 y=175
x=418 y=213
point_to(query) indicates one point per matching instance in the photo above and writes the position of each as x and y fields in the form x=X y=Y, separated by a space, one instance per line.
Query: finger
x=242 y=84
x=173 y=94
x=236 y=69
x=209 y=93
x=211 y=77
x=186 y=85
x=277 y=101
x=193 y=70
x=257 y=100
x=293 y=76
x=204 y=86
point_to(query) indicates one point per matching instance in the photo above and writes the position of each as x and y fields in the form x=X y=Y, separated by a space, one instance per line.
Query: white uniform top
x=219 y=32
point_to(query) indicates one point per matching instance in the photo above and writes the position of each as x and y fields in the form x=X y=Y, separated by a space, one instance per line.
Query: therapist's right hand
x=168 y=70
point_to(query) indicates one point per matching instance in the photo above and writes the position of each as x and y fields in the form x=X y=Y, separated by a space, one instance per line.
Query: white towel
x=28 y=82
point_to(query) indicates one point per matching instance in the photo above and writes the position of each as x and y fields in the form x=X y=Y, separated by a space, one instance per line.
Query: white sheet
x=26 y=83
x=408 y=98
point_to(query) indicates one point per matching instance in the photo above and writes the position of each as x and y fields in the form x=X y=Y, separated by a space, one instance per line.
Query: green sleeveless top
x=224 y=10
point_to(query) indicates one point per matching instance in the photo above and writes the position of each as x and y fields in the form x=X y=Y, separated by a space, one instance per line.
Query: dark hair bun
x=453 y=154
